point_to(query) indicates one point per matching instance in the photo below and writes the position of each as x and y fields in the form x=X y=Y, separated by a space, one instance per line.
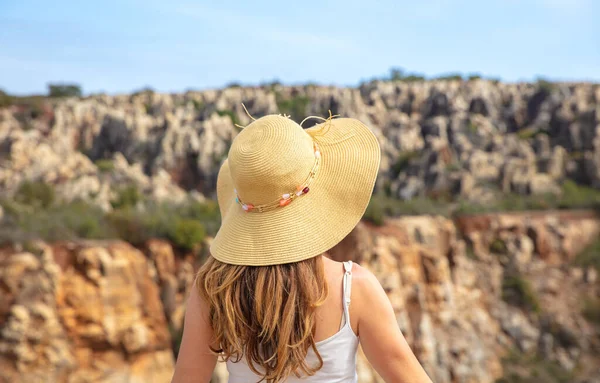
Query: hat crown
x=270 y=157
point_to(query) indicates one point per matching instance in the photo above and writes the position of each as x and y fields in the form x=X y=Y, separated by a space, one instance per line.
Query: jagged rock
x=508 y=135
x=96 y=317
x=107 y=302
x=543 y=184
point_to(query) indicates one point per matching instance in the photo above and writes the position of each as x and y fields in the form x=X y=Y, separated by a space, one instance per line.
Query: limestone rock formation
x=81 y=312
x=470 y=136
x=107 y=312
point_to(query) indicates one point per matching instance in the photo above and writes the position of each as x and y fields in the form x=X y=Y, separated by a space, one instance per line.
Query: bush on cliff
x=382 y=206
x=296 y=106
x=531 y=368
x=187 y=234
x=128 y=196
x=185 y=225
x=35 y=193
x=5 y=99
x=591 y=310
x=105 y=165
x=64 y=90
x=231 y=114
x=66 y=221
x=517 y=291
x=590 y=256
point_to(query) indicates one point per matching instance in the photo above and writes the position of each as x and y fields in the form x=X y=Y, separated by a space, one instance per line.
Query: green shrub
x=206 y=212
x=545 y=85
x=296 y=106
x=11 y=207
x=198 y=105
x=474 y=76
x=517 y=291
x=591 y=310
x=470 y=252
x=187 y=234
x=402 y=162
x=527 y=133
x=67 y=221
x=231 y=114
x=450 y=77
x=64 y=90
x=498 y=246
x=453 y=166
x=146 y=91
x=398 y=74
x=35 y=193
x=531 y=368
x=576 y=196
x=105 y=165
x=381 y=206
x=128 y=196
x=413 y=78
x=572 y=196
x=375 y=212
x=590 y=256
x=132 y=227
x=185 y=225
x=5 y=99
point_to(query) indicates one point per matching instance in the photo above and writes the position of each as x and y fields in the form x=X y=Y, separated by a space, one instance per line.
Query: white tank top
x=338 y=351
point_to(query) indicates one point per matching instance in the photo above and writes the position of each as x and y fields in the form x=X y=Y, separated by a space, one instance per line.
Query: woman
x=266 y=300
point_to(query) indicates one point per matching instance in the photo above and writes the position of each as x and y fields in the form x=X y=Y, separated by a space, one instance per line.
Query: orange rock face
x=97 y=317
x=107 y=312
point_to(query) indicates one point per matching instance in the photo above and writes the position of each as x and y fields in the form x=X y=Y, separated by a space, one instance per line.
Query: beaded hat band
x=286 y=198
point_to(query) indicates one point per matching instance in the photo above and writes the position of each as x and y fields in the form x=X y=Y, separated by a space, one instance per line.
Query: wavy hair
x=265 y=314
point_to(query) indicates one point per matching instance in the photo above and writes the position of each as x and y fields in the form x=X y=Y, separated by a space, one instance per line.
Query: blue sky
x=122 y=45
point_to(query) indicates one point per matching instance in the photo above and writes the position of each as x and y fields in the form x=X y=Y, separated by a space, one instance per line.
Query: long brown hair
x=265 y=314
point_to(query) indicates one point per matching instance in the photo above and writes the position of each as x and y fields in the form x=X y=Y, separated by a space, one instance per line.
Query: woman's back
x=266 y=296
x=336 y=339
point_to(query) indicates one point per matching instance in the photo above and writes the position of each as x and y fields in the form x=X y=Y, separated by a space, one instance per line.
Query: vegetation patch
x=531 y=368
x=105 y=165
x=35 y=193
x=498 y=246
x=382 y=206
x=402 y=162
x=591 y=310
x=185 y=225
x=517 y=291
x=296 y=106
x=229 y=113
x=64 y=90
x=590 y=256
x=128 y=196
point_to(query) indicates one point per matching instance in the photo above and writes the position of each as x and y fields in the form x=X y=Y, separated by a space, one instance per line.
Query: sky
x=119 y=46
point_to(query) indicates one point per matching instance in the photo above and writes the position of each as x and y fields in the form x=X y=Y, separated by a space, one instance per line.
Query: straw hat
x=287 y=194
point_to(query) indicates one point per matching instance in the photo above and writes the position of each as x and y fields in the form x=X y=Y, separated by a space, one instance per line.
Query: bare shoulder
x=363 y=280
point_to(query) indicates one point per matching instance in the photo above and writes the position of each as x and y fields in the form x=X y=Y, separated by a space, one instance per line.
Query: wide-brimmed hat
x=287 y=194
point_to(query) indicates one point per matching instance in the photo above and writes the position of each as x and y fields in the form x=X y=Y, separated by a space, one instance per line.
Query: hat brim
x=313 y=223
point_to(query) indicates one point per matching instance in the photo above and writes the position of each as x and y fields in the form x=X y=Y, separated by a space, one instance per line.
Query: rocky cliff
x=479 y=297
x=469 y=296
x=471 y=139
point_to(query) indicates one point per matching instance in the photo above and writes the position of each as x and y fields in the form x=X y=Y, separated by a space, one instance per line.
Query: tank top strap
x=347 y=293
